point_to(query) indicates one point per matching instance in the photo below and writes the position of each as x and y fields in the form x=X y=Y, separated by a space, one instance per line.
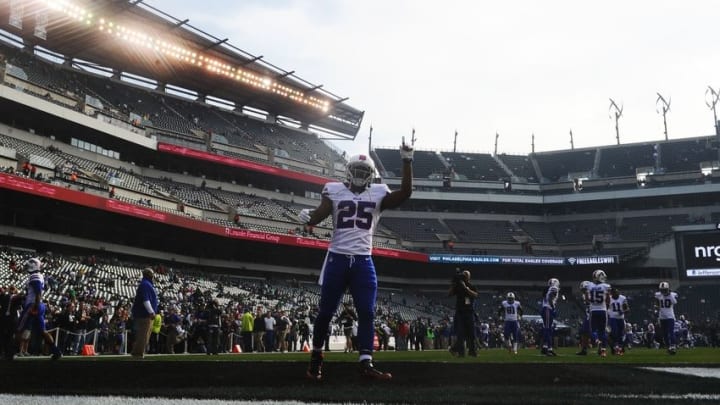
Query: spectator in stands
x=246 y=330
x=283 y=327
x=213 y=327
x=175 y=332
x=292 y=337
x=347 y=318
x=270 y=324
x=259 y=331
x=356 y=207
x=304 y=331
x=155 y=333
x=144 y=309
x=10 y=304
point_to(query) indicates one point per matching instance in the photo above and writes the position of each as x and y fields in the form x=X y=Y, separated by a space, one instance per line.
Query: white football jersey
x=511 y=310
x=616 y=307
x=597 y=293
x=550 y=298
x=354 y=217
x=666 y=304
x=35 y=285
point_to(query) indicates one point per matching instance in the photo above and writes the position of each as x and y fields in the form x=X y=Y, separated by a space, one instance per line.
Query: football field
x=494 y=377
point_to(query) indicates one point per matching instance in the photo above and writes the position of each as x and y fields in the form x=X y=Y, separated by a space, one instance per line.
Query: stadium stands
x=620 y=161
x=556 y=166
x=474 y=166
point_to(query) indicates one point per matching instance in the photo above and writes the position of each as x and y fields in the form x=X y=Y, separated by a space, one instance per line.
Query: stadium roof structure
x=133 y=37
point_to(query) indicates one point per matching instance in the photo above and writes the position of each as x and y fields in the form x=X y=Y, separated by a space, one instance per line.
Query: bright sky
x=480 y=67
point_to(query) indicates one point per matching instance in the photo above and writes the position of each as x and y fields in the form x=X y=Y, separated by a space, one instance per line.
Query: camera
x=459 y=276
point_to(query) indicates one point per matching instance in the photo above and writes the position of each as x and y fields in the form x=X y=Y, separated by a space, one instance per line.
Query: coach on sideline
x=143 y=312
x=464 y=314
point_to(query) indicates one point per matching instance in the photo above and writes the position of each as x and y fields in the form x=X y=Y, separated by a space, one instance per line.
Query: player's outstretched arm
x=397 y=197
x=314 y=217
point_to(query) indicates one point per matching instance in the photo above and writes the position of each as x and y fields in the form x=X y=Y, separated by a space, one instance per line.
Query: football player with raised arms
x=33 y=314
x=598 y=297
x=511 y=311
x=355 y=206
x=549 y=312
x=665 y=301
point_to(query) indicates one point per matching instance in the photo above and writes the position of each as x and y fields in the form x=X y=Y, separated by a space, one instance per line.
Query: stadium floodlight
x=171 y=50
x=665 y=108
x=618 y=114
x=712 y=103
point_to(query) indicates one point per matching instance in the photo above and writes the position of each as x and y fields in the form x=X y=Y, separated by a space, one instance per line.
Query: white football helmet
x=584 y=285
x=360 y=171
x=553 y=282
x=664 y=287
x=32 y=265
x=511 y=297
x=599 y=276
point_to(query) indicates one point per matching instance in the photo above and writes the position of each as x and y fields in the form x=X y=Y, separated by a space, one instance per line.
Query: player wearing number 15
x=598 y=298
x=355 y=206
x=665 y=301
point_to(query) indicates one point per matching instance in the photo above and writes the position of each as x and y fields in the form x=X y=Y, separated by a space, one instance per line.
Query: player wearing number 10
x=665 y=301
x=355 y=206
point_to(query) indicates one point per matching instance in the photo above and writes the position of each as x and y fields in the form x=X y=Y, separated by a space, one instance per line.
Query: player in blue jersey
x=549 y=312
x=32 y=319
x=356 y=206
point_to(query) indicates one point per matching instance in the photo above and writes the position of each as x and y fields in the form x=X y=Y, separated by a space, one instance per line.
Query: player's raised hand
x=304 y=215
x=406 y=151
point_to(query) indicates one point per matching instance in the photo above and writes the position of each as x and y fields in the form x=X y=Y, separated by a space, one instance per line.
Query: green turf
x=565 y=355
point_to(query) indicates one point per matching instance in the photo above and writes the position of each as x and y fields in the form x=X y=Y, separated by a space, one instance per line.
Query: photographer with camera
x=464 y=320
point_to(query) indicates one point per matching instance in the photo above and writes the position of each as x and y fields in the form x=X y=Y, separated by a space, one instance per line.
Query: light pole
x=665 y=109
x=532 y=144
x=370 y=140
x=496 y=141
x=618 y=114
x=455 y=142
x=572 y=143
x=711 y=103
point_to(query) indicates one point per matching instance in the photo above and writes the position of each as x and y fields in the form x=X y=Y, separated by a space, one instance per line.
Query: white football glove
x=406 y=152
x=304 y=215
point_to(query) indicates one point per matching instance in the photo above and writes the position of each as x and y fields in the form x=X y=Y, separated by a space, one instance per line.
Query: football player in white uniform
x=33 y=314
x=511 y=311
x=355 y=206
x=619 y=307
x=665 y=301
x=598 y=297
x=585 y=325
x=549 y=312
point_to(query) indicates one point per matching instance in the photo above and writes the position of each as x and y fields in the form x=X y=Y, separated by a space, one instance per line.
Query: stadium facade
x=168 y=143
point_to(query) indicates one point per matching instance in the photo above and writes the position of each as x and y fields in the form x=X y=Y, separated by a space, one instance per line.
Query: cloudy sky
x=480 y=67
